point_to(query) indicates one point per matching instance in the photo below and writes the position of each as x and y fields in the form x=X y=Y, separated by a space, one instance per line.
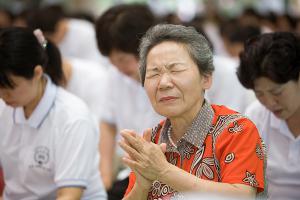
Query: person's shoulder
x=230 y=121
x=223 y=110
x=69 y=105
x=257 y=112
x=256 y=109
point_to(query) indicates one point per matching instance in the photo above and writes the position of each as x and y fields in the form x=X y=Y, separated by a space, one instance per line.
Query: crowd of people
x=130 y=105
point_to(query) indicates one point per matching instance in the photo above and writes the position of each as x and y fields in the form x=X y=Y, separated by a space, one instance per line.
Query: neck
x=67 y=69
x=181 y=123
x=136 y=77
x=28 y=109
x=293 y=123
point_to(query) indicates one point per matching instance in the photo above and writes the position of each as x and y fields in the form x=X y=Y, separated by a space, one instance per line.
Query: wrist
x=143 y=188
x=165 y=171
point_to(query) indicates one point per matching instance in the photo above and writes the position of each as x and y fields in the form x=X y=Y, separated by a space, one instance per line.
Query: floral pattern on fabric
x=237 y=128
x=229 y=158
x=251 y=179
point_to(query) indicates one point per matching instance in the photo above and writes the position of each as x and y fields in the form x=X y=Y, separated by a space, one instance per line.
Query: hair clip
x=40 y=37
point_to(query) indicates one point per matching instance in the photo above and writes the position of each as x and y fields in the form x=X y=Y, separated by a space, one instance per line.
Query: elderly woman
x=270 y=65
x=199 y=147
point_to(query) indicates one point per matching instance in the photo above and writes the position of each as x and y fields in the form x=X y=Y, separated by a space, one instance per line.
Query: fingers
x=130 y=163
x=131 y=132
x=163 y=147
x=132 y=153
x=134 y=141
x=147 y=134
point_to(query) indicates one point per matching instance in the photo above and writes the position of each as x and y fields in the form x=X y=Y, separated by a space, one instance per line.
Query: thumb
x=163 y=147
x=147 y=134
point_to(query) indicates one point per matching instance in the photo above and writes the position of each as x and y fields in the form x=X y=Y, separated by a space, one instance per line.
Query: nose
x=165 y=81
x=269 y=101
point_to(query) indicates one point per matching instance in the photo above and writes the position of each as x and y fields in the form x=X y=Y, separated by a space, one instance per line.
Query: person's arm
x=172 y=176
x=69 y=193
x=149 y=160
x=137 y=193
x=76 y=158
x=107 y=147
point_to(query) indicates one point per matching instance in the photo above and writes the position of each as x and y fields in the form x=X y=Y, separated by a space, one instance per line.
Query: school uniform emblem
x=41 y=155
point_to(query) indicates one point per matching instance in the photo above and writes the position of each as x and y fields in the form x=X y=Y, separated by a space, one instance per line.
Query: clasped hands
x=145 y=158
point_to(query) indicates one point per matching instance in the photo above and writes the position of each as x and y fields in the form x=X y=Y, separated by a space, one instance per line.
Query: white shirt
x=80 y=42
x=2 y=105
x=55 y=147
x=283 y=153
x=127 y=105
x=88 y=82
x=226 y=88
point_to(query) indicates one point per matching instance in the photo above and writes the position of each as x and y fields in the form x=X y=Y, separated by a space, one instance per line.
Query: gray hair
x=196 y=44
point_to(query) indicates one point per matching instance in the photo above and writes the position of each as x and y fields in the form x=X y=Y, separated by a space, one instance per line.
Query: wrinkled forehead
x=168 y=50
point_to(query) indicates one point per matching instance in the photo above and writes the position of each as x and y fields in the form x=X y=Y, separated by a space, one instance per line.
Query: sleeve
x=130 y=184
x=76 y=154
x=241 y=155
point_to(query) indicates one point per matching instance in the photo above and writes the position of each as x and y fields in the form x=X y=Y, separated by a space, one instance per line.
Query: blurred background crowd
x=226 y=22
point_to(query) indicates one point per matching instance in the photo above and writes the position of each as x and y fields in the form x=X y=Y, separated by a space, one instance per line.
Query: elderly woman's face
x=283 y=100
x=173 y=82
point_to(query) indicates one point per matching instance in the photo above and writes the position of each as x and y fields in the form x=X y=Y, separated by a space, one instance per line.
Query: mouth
x=9 y=104
x=167 y=99
x=277 y=112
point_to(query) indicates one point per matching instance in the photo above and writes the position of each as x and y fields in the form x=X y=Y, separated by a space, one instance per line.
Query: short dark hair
x=20 y=53
x=272 y=55
x=238 y=33
x=46 y=18
x=121 y=27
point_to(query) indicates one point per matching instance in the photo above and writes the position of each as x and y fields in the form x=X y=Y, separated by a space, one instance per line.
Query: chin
x=282 y=116
x=168 y=113
x=12 y=105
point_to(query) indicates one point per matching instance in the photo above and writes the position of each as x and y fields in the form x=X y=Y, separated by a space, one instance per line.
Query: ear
x=207 y=81
x=38 y=72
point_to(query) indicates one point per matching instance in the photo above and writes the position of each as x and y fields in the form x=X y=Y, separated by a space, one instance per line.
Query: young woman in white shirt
x=48 y=147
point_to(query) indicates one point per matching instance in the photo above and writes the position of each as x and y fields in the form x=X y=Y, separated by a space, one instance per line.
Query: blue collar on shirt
x=42 y=109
